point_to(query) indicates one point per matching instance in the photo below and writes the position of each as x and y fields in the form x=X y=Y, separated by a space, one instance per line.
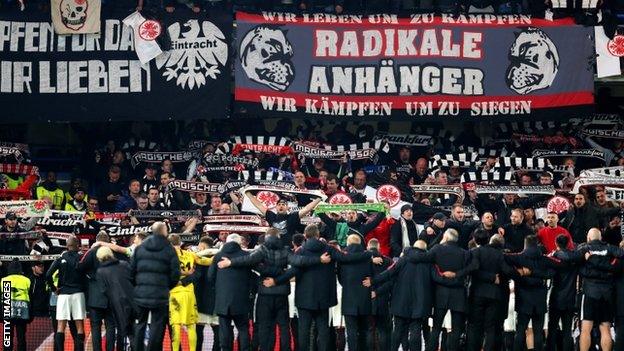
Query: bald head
x=159 y=228
x=420 y=244
x=594 y=234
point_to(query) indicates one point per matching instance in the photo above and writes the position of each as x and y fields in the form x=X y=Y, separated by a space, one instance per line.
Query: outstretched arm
x=309 y=208
x=254 y=200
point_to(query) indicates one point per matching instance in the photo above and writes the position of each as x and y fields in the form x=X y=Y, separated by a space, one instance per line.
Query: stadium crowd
x=311 y=245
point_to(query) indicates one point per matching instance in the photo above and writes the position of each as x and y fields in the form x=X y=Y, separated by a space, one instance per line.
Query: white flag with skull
x=76 y=16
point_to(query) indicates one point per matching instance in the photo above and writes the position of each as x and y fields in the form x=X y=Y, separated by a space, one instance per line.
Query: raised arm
x=367 y=227
x=309 y=208
x=254 y=200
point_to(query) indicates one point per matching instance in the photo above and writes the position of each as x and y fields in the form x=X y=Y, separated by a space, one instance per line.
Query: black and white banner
x=589 y=181
x=158 y=156
x=510 y=189
x=456 y=190
x=81 y=77
x=224 y=157
x=616 y=194
x=592 y=153
x=617 y=171
x=194 y=187
x=162 y=214
x=468 y=177
x=605 y=133
x=406 y=139
x=11 y=151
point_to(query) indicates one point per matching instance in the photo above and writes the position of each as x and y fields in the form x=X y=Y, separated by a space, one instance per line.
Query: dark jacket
x=465 y=229
x=13 y=246
x=155 y=271
x=412 y=289
x=580 y=220
x=434 y=238
x=563 y=293
x=89 y=265
x=232 y=284
x=39 y=296
x=450 y=293
x=396 y=236
x=307 y=292
x=381 y=303
x=597 y=277
x=204 y=289
x=514 y=236
x=531 y=290
x=360 y=226
x=491 y=262
x=356 y=298
x=271 y=260
x=115 y=280
x=70 y=279
x=619 y=289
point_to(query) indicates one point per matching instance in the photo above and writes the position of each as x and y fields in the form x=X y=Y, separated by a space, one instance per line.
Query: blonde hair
x=354 y=239
x=104 y=253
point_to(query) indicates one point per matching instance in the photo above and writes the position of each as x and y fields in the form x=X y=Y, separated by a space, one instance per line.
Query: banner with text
x=79 y=77
x=380 y=66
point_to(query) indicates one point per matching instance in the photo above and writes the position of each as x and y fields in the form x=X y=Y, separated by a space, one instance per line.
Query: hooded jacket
x=155 y=271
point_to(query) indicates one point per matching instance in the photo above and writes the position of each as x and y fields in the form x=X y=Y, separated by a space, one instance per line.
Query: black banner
x=45 y=76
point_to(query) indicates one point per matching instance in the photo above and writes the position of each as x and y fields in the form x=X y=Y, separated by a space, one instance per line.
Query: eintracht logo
x=198 y=52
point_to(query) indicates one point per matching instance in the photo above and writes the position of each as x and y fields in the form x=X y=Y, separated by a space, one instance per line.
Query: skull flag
x=384 y=66
x=76 y=16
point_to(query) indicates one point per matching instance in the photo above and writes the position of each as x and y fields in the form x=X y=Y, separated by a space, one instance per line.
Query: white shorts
x=71 y=307
x=211 y=319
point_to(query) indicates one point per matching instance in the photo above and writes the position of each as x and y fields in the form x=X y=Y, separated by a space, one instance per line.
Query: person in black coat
x=403 y=232
x=114 y=277
x=381 y=321
x=155 y=271
x=432 y=234
x=619 y=304
x=597 y=273
x=313 y=303
x=488 y=294
x=96 y=298
x=530 y=290
x=583 y=216
x=271 y=261
x=562 y=303
x=515 y=231
x=232 y=289
x=412 y=299
x=356 y=299
x=452 y=264
x=464 y=226
x=205 y=295
x=356 y=223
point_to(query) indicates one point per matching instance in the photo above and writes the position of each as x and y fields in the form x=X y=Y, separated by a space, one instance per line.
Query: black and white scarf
x=158 y=156
x=593 y=153
x=495 y=176
x=406 y=139
x=511 y=189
